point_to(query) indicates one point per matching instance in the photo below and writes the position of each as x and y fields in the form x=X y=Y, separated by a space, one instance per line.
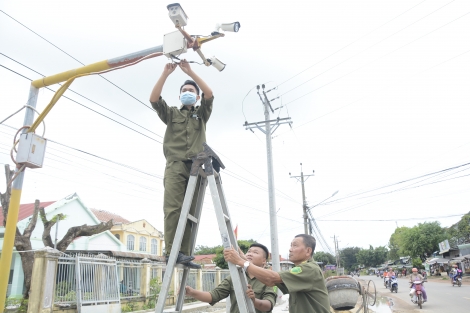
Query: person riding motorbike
x=455 y=272
x=390 y=274
x=415 y=276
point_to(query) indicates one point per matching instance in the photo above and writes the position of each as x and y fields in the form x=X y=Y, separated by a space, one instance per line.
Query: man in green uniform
x=185 y=133
x=263 y=297
x=304 y=283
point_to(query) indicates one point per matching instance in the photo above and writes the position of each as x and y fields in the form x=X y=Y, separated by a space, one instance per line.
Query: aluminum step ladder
x=200 y=177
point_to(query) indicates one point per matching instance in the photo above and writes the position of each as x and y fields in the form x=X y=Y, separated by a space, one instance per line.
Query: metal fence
x=129 y=274
x=191 y=281
x=66 y=282
x=224 y=274
x=208 y=280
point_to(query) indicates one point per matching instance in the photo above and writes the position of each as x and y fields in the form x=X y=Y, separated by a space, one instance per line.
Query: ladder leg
x=239 y=281
x=176 y=244
x=198 y=202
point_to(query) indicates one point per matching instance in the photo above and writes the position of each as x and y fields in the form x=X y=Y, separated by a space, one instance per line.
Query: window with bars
x=130 y=242
x=143 y=244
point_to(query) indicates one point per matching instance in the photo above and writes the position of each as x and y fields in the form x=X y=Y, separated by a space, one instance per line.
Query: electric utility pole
x=268 y=127
x=304 y=200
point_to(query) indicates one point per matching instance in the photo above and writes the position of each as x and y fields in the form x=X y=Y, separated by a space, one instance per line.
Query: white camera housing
x=217 y=64
x=174 y=43
x=177 y=14
x=228 y=27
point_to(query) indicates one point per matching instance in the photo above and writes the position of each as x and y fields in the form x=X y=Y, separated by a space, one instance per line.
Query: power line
x=361 y=67
x=76 y=59
x=100 y=105
x=81 y=104
x=351 y=43
x=399 y=219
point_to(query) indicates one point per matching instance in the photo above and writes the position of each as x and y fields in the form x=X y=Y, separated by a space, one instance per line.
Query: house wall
x=139 y=229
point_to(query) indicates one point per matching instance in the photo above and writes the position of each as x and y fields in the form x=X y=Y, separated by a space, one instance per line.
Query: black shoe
x=181 y=258
x=192 y=265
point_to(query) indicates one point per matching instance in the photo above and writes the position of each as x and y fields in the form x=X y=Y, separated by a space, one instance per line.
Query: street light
x=334 y=194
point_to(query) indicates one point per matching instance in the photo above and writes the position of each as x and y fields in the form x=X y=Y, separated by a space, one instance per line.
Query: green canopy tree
x=422 y=240
x=219 y=258
x=372 y=256
x=348 y=257
x=395 y=244
x=325 y=257
x=460 y=232
x=201 y=250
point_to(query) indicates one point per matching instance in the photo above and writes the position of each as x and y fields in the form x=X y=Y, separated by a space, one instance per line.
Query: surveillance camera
x=228 y=27
x=177 y=14
x=217 y=64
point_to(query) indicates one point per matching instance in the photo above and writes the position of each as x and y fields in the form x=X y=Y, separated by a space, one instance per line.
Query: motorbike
x=377 y=274
x=394 y=284
x=457 y=281
x=418 y=297
x=387 y=283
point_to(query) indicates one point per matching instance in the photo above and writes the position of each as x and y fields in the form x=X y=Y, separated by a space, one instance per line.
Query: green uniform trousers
x=175 y=182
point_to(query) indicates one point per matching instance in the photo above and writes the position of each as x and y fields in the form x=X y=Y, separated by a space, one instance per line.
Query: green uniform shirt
x=185 y=129
x=306 y=288
x=225 y=289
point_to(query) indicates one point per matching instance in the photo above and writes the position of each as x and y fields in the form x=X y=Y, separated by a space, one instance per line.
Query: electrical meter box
x=31 y=150
x=177 y=14
x=174 y=43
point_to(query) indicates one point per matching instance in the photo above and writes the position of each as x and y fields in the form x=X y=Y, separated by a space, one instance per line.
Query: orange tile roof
x=105 y=216
x=26 y=210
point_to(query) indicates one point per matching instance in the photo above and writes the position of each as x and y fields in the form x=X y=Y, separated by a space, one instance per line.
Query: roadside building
x=139 y=236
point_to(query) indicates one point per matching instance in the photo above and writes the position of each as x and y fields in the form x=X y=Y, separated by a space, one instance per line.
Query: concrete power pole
x=268 y=127
x=304 y=200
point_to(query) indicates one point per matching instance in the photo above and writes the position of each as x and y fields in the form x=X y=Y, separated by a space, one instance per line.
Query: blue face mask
x=188 y=98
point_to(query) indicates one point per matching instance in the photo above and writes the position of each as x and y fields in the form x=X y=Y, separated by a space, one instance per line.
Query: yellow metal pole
x=8 y=243
x=58 y=78
x=13 y=209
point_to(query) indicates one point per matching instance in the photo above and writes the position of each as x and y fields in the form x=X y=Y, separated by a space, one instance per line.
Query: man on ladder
x=185 y=133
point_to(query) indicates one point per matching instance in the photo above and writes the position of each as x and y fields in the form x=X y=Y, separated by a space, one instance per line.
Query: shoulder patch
x=296 y=270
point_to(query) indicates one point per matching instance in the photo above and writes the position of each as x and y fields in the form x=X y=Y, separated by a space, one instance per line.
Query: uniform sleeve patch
x=296 y=270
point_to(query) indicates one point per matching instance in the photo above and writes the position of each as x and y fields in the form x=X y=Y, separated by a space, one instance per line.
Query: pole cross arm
x=274 y=124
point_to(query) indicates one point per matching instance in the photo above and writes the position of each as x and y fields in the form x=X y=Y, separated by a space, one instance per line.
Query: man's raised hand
x=185 y=67
x=169 y=68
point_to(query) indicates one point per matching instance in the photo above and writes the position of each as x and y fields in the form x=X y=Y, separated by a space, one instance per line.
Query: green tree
x=325 y=257
x=201 y=250
x=460 y=232
x=219 y=258
x=395 y=244
x=422 y=240
x=372 y=256
x=348 y=257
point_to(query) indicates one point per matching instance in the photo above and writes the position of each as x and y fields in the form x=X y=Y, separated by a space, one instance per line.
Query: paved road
x=442 y=297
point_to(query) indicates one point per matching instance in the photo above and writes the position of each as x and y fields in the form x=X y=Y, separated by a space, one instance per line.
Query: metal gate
x=97 y=285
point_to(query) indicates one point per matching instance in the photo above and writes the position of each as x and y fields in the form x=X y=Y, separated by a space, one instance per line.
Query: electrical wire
x=368 y=63
x=81 y=104
x=351 y=43
x=71 y=90
x=76 y=60
x=399 y=219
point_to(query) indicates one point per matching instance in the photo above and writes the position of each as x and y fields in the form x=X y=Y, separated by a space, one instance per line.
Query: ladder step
x=192 y=218
x=226 y=218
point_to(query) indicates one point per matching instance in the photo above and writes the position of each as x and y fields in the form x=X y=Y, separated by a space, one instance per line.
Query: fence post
x=199 y=280
x=217 y=277
x=41 y=295
x=145 y=278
